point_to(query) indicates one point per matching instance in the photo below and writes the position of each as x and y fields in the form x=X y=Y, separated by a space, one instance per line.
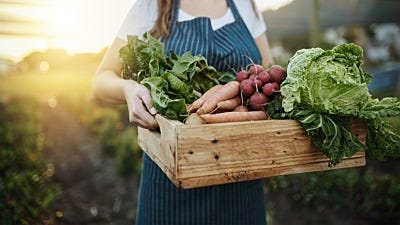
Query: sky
x=75 y=25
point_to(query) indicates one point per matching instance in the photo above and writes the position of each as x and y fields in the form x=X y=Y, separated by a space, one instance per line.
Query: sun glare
x=85 y=25
x=74 y=25
x=62 y=18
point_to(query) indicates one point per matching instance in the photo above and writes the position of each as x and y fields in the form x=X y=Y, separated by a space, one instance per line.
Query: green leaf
x=171 y=108
x=330 y=134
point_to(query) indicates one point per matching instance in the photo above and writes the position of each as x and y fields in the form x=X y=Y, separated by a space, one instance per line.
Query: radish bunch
x=258 y=85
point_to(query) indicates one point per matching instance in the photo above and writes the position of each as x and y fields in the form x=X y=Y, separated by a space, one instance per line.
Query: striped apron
x=242 y=203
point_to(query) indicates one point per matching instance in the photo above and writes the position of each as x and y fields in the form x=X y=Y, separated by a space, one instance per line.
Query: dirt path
x=91 y=191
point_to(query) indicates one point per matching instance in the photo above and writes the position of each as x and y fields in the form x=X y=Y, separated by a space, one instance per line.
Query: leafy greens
x=325 y=89
x=173 y=80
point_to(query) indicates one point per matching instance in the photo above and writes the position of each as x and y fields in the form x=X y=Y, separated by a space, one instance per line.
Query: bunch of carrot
x=223 y=103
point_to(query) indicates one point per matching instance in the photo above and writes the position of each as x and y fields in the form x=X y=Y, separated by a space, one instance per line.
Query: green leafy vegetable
x=173 y=108
x=173 y=80
x=324 y=89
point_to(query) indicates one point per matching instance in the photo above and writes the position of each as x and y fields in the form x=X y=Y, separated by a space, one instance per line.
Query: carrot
x=241 y=108
x=199 y=102
x=229 y=104
x=233 y=116
x=227 y=91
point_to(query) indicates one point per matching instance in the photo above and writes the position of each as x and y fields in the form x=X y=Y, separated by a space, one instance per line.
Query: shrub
x=26 y=189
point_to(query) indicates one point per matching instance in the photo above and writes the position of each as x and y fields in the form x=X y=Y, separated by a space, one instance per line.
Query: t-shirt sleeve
x=140 y=19
x=259 y=26
x=254 y=20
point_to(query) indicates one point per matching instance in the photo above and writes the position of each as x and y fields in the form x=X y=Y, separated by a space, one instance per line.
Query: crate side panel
x=219 y=148
x=160 y=153
x=193 y=182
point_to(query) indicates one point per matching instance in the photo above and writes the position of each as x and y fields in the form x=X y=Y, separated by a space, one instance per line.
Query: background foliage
x=26 y=189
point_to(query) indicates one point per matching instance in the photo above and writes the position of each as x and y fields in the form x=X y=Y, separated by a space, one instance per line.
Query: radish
x=253 y=76
x=277 y=73
x=242 y=75
x=247 y=88
x=276 y=86
x=257 y=83
x=256 y=69
x=264 y=76
x=268 y=89
x=258 y=101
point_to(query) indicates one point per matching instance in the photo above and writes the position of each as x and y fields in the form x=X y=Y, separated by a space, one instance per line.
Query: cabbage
x=324 y=89
x=330 y=81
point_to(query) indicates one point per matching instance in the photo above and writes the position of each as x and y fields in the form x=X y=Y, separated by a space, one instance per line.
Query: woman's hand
x=140 y=105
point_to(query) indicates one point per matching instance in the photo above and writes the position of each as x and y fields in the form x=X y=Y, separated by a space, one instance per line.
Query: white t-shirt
x=143 y=14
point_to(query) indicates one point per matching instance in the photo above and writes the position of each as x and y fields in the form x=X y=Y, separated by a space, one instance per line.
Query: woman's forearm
x=109 y=87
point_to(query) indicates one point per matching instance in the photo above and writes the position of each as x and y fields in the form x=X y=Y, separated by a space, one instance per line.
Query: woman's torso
x=227 y=48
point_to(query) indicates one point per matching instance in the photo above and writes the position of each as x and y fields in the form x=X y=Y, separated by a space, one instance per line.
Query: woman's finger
x=147 y=101
x=139 y=115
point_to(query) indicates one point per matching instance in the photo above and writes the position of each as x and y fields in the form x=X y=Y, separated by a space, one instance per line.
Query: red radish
x=256 y=69
x=257 y=83
x=253 y=76
x=247 y=88
x=264 y=77
x=258 y=101
x=242 y=75
x=268 y=89
x=276 y=86
x=277 y=73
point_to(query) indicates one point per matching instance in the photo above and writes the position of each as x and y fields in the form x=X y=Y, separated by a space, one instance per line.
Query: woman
x=231 y=35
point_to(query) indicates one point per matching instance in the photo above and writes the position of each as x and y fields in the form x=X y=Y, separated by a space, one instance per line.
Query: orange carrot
x=199 y=102
x=226 y=117
x=241 y=108
x=229 y=104
x=227 y=91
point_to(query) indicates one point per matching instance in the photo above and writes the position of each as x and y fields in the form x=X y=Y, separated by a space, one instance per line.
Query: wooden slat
x=243 y=175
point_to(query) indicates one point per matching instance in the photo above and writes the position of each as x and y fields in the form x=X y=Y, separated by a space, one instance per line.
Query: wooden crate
x=209 y=154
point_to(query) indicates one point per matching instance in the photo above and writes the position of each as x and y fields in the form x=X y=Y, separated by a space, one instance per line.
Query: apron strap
x=234 y=10
x=175 y=11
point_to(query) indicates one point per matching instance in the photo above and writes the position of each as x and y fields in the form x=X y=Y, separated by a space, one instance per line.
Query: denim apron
x=242 y=203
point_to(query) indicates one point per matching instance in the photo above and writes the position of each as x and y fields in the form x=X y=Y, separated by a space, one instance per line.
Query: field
x=93 y=157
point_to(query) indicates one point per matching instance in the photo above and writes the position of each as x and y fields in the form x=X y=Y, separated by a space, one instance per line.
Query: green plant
x=128 y=153
x=371 y=193
x=26 y=189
